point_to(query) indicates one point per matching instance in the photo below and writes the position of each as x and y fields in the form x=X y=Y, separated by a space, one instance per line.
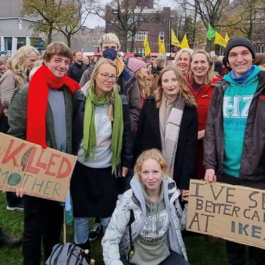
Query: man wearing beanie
x=234 y=142
x=109 y=47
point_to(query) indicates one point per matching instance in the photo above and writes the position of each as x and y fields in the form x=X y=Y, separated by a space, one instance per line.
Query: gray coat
x=116 y=237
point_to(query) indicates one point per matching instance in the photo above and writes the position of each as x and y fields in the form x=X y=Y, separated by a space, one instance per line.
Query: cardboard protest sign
x=235 y=213
x=43 y=173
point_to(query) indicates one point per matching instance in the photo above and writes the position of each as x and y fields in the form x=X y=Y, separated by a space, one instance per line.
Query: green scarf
x=89 y=133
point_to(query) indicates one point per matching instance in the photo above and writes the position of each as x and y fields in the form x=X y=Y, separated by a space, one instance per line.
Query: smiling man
x=41 y=113
x=234 y=142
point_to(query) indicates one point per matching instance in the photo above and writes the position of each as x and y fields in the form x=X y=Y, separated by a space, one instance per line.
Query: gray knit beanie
x=239 y=41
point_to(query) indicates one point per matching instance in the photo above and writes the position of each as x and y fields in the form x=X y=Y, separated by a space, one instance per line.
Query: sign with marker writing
x=235 y=213
x=44 y=173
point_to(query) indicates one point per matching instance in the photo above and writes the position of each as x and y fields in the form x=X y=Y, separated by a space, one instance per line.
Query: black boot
x=7 y=240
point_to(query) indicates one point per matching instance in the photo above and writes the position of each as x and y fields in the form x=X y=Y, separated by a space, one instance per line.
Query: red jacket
x=203 y=98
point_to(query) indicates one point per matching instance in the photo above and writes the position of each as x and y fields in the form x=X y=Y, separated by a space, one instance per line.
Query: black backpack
x=69 y=254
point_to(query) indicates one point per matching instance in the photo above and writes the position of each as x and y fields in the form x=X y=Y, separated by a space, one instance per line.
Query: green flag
x=211 y=32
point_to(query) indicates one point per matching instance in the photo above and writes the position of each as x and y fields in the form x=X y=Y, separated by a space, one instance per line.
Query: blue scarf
x=243 y=78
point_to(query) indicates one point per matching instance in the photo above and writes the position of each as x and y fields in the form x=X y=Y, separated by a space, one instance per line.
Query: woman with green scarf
x=102 y=141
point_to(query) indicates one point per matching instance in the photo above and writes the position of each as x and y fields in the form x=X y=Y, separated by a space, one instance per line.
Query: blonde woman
x=182 y=60
x=17 y=75
x=200 y=80
x=102 y=141
x=140 y=70
x=136 y=233
x=169 y=122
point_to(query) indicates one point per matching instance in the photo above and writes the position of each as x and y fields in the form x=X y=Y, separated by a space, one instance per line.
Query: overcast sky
x=93 y=21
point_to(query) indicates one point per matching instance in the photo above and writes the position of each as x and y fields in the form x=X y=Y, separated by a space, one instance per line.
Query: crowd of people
x=141 y=128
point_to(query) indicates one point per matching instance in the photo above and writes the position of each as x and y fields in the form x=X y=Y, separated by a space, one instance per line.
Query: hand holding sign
x=210 y=175
x=19 y=192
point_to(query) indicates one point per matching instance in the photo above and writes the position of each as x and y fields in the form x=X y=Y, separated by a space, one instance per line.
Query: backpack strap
x=131 y=220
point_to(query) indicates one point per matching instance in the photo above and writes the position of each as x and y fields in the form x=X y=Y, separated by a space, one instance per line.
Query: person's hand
x=124 y=171
x=201 y=134
x=210 y=175
x=185 y=195
x=19 y=192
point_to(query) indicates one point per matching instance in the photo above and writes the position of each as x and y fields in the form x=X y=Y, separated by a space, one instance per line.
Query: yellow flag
x=184 y=43
x=219 y=40
x=226 y=38
x=146 y=46
x=161 y=45
x=174 y=39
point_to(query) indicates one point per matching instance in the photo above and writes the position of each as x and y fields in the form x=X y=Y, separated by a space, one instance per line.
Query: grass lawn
x=200 y=252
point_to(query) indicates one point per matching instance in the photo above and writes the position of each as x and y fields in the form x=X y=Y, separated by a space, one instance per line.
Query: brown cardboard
x=44 y=173
x=235 y=213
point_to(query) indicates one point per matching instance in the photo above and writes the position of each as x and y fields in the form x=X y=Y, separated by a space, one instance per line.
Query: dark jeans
x=236 y=254
x=43 y=221
x=235 y=251
x=173 y=259
x=12 y=199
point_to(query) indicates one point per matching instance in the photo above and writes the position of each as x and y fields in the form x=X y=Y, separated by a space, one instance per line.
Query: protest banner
x=44 y=173
x=235 y=213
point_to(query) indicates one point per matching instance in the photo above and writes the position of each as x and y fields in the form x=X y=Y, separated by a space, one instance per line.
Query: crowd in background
x=141 y=128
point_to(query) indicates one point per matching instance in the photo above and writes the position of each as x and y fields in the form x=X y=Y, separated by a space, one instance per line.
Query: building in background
x=15 y=31
x=158 y=24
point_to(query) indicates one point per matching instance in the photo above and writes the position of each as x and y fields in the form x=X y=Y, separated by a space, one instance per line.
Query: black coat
x=76 y=71
x=79 y=100
x=148 y=136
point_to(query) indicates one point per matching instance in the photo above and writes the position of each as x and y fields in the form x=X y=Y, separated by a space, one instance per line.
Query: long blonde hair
x=210 y=73
x=143 y=87
x=154 y=154
x=184 y=91
x=18 y=64
x=91 y=84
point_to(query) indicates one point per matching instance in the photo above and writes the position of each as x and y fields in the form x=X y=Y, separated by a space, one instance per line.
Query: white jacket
x=117 y=234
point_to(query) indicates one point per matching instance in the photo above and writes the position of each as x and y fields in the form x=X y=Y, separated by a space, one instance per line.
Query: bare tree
x=209 y=11
x=56 y=15
x=74 y=15
x=248 y=13
x=126 y=16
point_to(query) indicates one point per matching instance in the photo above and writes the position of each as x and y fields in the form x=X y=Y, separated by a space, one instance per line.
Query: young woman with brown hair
x=168 y=121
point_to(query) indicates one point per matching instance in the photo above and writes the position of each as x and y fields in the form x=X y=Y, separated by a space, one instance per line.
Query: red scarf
x=38 y=100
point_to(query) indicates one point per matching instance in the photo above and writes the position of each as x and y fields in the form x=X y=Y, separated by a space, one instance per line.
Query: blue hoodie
x=236 y=103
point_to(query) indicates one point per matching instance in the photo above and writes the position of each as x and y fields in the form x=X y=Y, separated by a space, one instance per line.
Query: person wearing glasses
x=102 y=141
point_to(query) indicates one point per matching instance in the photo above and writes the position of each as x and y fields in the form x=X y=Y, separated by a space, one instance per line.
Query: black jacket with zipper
x=253 y=157
x=148 y=137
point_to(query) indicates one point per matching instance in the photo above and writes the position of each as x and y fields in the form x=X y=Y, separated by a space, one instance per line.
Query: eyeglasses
x=106 y=77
